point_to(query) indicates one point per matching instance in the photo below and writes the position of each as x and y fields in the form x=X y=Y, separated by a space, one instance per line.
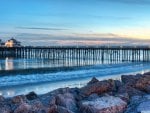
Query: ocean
x=21 y=76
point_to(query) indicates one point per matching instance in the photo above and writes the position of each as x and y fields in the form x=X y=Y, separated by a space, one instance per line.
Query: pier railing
x=110 y=53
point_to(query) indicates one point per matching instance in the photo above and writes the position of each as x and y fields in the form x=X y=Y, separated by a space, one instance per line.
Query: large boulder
x=106 y=104
x=123 y=96
x=144 y=107
x=98 y=87
x=60 y=91
x=93 y=80
x=139 y=104
x=23 y=108
x=131 y=91
x=18 y=99
x=2 y=98
x=58 y=109
x=135 y=84
x=31 y=107
x=147 y=89
x=147 y=73
x=130 y=80
x=31 y=96
x=47 y=99
x=139 y=82
x=143 y=83
x=66 y=100
x=37 y=106
x=5 y=109
x=118 y=84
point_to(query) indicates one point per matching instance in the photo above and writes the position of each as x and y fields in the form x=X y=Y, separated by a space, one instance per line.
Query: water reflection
x=14 y=64
x=9 y=64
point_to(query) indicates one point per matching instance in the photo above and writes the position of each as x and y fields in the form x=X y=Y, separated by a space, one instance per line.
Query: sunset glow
x=75 y=21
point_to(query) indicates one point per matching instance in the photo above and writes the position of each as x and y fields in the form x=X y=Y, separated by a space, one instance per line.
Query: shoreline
x=41 y=87
x=128 y=95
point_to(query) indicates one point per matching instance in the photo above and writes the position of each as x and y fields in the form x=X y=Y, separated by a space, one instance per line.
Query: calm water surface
x=77 y=74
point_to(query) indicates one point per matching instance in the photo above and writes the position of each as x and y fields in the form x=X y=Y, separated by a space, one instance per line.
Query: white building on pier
x=12 y=43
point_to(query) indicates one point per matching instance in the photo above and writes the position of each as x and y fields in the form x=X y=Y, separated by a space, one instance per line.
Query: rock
x=135 y=99
x=147 y=97
x=18 y=99
x=138 y=104
x=130 y=91
x=118 y=84
x=127 y=78
x=136 y=84
x=144 y=107
x=147 y=89
x=77 y=94
x=87 y=109
x=106 y=104
x=93 y=96
x=23 y=108
x=130 y=80
x=147 y=73
x=5 y=109
x=124 y=97
x=47 y=99
x=98 y=87
x=94 y=80
x=36 y=106
x=61 y=91
x=31 y=96
x=66 y=100
x=58 y=109
x=138 y=74
x=143 y=83
x=2 y=98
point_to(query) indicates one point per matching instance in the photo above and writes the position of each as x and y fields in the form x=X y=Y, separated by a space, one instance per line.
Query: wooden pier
x=102 y=53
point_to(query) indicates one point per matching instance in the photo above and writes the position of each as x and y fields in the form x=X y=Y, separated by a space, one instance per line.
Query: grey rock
x=93 y=80
x=2 y=98
x=144 y=107
x=18 y=99
x=98 y=87
x=66 y=100
x=58 y=109
x=31 y=96
x=23 y=108
x=106 y=104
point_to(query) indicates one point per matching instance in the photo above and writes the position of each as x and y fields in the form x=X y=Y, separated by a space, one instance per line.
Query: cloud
x=80 y=39
x=28 y=39
x=42 y=28
x=74 y=36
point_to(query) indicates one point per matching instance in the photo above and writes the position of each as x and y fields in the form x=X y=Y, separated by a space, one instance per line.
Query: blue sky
x=67 y=22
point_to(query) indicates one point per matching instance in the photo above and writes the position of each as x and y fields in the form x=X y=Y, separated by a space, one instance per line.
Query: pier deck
x=111 y=53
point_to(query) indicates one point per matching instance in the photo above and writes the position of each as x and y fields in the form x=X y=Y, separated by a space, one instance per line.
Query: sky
x=76 y=22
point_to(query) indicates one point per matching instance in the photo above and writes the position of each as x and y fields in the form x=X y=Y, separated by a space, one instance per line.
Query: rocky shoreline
x=130 y=95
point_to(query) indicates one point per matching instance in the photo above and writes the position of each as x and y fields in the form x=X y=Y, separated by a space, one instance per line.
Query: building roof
x=14 y=40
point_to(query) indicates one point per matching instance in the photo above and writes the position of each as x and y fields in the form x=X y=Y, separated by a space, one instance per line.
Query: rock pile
x=130 y=95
